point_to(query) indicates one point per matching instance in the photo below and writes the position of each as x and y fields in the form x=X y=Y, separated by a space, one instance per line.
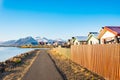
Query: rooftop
x=95 y=34
x=115 y=29
x=81 y=38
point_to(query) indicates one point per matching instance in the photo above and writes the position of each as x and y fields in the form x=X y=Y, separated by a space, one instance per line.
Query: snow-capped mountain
x=8 y=43
x=39 y=39
x=44 y=39
x=51 y=41
x=30 y=40
x=26 y=41
x=20 y=42
x=59 y=40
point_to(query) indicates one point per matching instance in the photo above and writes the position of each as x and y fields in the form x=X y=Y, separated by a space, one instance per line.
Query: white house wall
x=106 y=35
x=93 y=40
x=76 y=42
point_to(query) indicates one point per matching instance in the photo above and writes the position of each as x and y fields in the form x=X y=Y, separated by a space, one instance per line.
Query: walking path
x=42 y=68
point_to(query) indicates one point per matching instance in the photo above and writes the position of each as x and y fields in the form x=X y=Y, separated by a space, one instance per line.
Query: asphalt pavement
x=43 y=68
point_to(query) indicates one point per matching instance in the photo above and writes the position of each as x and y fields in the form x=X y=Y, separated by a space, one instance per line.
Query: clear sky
x=56 y=18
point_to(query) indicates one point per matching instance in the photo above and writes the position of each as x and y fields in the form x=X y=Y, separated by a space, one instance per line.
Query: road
x=43 y=68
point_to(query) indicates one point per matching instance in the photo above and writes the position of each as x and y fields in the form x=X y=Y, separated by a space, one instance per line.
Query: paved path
x=42 y=69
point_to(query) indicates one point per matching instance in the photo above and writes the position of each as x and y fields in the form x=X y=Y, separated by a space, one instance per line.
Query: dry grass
x=71 y=70
x=63 y=51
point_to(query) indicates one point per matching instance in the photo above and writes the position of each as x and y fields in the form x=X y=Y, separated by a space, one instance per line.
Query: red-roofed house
x=109 y=35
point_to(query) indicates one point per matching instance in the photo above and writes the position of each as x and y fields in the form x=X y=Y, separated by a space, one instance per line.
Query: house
x=71 y=41
x=92 y=38
x=109 y=35
x=80 y=40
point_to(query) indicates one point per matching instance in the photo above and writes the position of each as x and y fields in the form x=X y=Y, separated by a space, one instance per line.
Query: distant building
x=74 y=41
x=78 y=40
x=71 y=41
x=109 y=35
x=92 y=38
x=81 y=39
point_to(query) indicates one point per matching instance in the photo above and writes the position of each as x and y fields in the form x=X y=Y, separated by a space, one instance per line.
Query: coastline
x=15 y=67
x=68 y=69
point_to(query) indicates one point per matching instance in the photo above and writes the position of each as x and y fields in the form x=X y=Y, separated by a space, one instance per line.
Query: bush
x=17 y=60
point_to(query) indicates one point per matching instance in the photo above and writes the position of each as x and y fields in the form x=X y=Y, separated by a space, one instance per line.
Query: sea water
x=8 y=52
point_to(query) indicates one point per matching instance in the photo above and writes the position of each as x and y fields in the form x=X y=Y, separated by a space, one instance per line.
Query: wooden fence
x=101 y=59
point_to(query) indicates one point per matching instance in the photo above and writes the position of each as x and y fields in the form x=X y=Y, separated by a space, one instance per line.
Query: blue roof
x=94 y=34
x=81 y=38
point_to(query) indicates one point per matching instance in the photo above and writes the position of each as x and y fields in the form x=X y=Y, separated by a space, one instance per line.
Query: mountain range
x=29 y=40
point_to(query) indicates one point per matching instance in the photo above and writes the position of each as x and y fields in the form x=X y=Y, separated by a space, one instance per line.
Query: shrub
x=17 y=60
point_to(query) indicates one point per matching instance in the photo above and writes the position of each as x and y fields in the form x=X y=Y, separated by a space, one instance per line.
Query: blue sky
x=56 y=18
